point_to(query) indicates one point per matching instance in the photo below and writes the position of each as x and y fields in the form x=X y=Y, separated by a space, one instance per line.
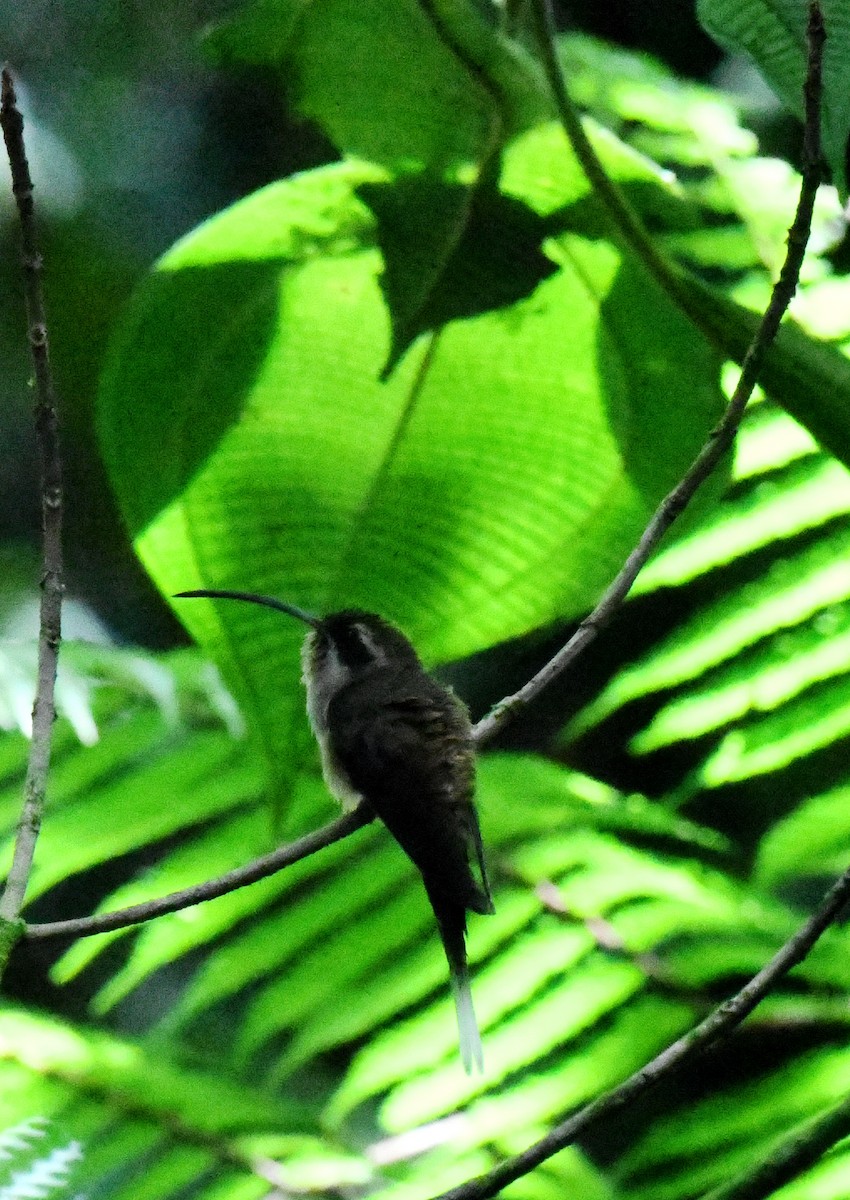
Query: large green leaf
x=423 y=83
x=433 y=91
x=487 y=486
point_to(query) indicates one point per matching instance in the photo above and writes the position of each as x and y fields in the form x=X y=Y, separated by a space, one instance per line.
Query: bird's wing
x=404 y=743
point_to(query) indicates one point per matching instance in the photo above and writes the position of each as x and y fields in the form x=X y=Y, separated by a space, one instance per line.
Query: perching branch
x=47 y=435
x=260 y=868
x=705 y=462
x=722 y=437
x=793 y=1156
x=717 y=1026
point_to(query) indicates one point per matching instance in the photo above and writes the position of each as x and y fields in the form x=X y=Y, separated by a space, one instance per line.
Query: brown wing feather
x=404 y=742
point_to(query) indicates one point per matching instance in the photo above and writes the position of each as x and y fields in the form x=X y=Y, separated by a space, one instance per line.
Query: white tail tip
x=471 y=1052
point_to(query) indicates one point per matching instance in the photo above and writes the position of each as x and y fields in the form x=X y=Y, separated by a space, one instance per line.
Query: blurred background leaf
x=774 y=33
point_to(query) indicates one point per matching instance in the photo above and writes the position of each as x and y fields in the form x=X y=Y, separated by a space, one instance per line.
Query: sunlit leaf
x=480 y=462
x=242 y=1137
x=813 y=839
x=704 y=1143
x=773 y=32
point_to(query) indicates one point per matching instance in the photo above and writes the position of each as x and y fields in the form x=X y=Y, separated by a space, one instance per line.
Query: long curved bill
x=252 y=598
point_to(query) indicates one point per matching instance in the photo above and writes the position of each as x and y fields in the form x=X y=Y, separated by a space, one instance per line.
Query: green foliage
x=756 y=675
x=298 y=1033
x=773 y=32
x=730 y=221
x=436 y=496
x=718 y=1137
x=32 y=1165
x=150 y=1126
x=409 y=75
x=440 y=57
x=610 y=927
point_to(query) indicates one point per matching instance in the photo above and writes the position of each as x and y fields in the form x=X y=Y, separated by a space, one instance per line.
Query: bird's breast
x=336 y=778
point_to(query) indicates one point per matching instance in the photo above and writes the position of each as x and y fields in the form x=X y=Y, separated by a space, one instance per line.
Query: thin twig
x=47 y=435
x=718 y=1025
x=793 y=1156
x=259 y=868
x=627 y=225
x=722 y=437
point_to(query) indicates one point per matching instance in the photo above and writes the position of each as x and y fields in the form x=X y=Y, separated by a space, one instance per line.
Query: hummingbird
x=389 y=734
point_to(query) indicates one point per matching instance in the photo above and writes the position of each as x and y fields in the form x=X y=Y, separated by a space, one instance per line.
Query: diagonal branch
x=47 y=434
x=716 y=1027
x=720 y=1024
x=259 y=868
x=723 y=435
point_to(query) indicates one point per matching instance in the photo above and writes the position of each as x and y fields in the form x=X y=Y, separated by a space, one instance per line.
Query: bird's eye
x=357 y=646
x=367 y=641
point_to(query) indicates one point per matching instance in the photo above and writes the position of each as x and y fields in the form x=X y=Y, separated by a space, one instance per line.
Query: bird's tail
x=471 y=1052
x=451 y=920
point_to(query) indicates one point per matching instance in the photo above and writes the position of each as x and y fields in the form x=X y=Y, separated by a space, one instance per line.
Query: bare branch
x=716 y=1027
x=722 y=437
x=47 y=434
x=260 y=868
